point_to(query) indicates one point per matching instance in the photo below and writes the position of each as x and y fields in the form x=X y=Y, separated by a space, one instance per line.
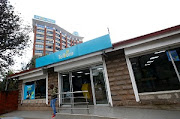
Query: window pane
x=40 y=90
x=154 y=72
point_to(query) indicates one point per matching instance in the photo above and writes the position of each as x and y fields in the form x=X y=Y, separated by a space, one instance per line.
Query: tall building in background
x=49 y=37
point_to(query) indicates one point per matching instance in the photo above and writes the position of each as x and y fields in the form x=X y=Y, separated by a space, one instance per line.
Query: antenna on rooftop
x=108 y=30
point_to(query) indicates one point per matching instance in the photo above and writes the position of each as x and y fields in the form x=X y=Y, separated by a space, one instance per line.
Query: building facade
x=140 y=72
x=50 y=38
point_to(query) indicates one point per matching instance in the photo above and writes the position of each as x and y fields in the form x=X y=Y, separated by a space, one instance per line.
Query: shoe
x=53 y=116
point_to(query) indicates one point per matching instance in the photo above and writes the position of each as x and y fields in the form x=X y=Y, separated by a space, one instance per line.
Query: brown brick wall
x=119 y=79
x=20 y=91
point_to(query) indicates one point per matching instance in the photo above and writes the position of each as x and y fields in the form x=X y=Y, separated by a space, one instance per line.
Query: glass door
x=99 y=85
x=66 y=87
x=81 y=82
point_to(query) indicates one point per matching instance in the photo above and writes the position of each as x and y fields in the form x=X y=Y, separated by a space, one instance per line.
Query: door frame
x=92 y=84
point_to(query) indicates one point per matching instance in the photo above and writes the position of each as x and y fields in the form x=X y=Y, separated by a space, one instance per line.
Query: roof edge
x=25 y=71
x=170 y=29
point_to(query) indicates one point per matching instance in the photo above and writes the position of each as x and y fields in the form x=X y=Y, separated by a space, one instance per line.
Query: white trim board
x=34 y=78
x=153 y=45
x=107 y=83
x=160 y=92
x=83 y=62
x=132 y=79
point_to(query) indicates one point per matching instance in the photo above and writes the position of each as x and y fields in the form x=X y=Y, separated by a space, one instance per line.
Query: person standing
x=53 y=94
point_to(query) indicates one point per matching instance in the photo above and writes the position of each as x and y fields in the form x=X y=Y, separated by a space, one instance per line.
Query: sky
x=90 y=18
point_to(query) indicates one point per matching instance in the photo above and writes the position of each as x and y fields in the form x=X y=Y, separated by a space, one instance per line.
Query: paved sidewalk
x=117 y=112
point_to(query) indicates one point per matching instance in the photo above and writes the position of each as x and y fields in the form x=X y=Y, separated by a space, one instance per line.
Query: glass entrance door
x=99 y=85
x=81 y=82
x=90 y=79
x=66 y=87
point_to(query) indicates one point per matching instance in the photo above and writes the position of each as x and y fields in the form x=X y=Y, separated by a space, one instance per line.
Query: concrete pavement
x=99 y=112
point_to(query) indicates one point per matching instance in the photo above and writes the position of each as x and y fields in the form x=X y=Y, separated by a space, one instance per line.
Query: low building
x=141 y=72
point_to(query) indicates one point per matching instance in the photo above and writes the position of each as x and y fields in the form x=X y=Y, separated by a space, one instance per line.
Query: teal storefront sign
x=88 y=47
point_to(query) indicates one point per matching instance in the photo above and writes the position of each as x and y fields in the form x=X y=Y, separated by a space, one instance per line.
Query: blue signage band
x=88 y=47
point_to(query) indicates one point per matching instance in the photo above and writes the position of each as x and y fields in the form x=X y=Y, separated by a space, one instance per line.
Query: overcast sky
x=90 y=18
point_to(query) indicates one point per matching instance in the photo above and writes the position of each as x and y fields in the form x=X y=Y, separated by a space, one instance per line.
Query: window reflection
x=155 y=72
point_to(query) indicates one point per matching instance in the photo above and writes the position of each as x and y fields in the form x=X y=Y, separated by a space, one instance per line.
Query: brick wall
x=19 y=92
x=8 y=101
x=119 y=79
x=52 y=79
x=122 y=91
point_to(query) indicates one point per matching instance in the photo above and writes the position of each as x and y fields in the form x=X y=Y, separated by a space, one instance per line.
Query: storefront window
x=155 y=72
x=40 y=90
x=35 y=89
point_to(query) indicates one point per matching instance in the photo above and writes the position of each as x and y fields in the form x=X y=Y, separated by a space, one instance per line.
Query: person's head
x=51 y=86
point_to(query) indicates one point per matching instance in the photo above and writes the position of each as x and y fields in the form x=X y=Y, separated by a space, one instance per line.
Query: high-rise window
x=64 y=42
x=39 y=40
x=68 y=45
x=39 y=35
x=39 y=30
x=47 y=41
x=39 y=46
x=57 y=48
x=38 y=51
x=63 y=46
x=50 y=37
x=49 y=52
x=63 y=38
x=57 y=39
x=41 y=26
x=63 y=34
x=49 y=32
x=57 y=35
x=49 y=27
x=58 y=44
x=50 y=47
